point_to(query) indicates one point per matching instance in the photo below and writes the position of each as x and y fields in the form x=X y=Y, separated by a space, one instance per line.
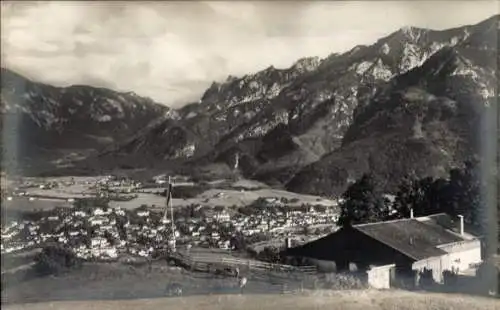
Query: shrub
x=88 y=204
x=55 y=259
x=344 y=281
x=185 y=192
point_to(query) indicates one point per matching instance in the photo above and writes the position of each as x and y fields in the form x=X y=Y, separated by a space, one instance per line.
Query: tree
x=238 y=242
x=424 y=196
x=88 y=204
x=435 y=198
x=464 y=193
x=407 y=197
x=363 y=203
x=459 y=194
x=109 y=237
x=55 y=259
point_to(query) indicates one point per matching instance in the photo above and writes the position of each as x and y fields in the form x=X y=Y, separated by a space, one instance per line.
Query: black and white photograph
x=250 y=155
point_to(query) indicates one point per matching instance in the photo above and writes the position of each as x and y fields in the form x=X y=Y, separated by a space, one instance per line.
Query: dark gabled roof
x=413 y=238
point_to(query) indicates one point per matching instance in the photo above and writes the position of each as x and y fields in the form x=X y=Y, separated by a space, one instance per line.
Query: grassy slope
x=312 y=300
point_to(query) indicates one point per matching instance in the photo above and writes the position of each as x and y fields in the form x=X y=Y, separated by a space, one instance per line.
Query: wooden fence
x=205 y=261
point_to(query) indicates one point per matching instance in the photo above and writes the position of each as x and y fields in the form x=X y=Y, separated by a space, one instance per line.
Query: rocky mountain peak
x=340 y=114
x=262 y=85
x=412 y=33
x=306 y=64
x=425 y=119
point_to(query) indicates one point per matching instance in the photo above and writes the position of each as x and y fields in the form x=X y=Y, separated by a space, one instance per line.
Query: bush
x=341 y=281
x=185 y=192
x=269 y=254
x=88 y=204
x=55 y=259
x=124 y=197
x=142 y=207
x=238 y=242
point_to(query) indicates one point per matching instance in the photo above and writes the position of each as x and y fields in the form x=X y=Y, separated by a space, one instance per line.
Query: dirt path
x=346 y=300
x=18 y=268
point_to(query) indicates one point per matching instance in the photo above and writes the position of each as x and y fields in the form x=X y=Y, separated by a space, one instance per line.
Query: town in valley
x=351 y=152
x=108 y=219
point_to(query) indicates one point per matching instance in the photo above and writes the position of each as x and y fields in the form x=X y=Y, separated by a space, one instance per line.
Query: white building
x=222 y=216
x=98 y=242
x=143 y=213
x=110 y=252
x=98 y=220
x=80 y=213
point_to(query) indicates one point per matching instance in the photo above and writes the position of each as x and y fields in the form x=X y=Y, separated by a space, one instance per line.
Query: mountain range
x=42 y=124
x=412 y=102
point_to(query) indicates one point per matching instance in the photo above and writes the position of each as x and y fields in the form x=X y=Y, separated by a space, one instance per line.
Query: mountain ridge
x=289 y=125
x=443 y=104
x=77 y=119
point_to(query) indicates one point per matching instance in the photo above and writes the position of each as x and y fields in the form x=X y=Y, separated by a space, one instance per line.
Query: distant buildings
x=138 y=231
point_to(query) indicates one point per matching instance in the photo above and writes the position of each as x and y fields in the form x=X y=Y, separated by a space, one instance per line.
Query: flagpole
x=171 y=213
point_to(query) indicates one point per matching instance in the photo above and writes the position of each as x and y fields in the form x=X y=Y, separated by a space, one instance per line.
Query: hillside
x=424 y=121
x=43 y=125
x=410 y=102
x=346 y=300
x=270 y=124
x=223 y=108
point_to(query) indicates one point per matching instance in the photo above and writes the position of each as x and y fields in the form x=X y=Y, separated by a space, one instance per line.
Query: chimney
x=461 y=219
x=411 y=213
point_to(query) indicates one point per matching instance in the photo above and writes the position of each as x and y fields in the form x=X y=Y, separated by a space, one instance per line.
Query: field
x=72 y=191
x=142 y=199
x=97 y=281
x=110 y=285
x=44 y=199
x=116 y=281
x=345 y=300
x=24 y=204
x=219 y=193
x=240 y=193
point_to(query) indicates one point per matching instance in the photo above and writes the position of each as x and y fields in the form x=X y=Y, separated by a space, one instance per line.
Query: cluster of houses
x=101 y=185
x=84 y=231
x=281 y=222
x=116 y=185
x=105 y=233
x=398 y=250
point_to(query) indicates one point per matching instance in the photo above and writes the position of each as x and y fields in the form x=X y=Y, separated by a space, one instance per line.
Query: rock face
x=41 y=123
x=424 y=121
x=314 y=98
x=411 y=102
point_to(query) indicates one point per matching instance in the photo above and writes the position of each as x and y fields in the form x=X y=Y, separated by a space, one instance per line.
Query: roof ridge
x=402 y=219
x=383 y=222
x=433 y=215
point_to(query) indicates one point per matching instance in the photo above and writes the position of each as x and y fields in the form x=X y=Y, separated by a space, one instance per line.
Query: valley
x=109 y=195
x=311 y=127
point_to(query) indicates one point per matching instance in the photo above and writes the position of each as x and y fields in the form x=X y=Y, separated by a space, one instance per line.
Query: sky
x=172 y=51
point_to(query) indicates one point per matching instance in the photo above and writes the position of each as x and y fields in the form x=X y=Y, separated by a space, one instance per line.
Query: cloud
x=172 y=51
